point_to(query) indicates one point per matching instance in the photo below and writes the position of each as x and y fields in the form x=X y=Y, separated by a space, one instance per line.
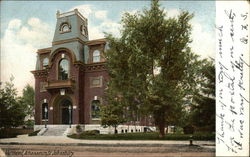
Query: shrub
x=34 y=133
x=189 y=129
x=142 y=136
x=29 y=123
x=78 y=127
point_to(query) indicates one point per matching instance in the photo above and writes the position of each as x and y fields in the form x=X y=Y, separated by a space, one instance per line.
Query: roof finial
x=57 y=13
x=76 y=10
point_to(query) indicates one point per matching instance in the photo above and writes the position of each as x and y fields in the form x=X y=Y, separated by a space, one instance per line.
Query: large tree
x=203 y=106
x=12 y=108
x=151 y=64
x=29 y=98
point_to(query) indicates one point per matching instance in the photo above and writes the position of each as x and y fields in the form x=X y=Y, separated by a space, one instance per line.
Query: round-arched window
x=63 y=69
x=65 y=27
x=45 y=62
x=96 y=56
x=95 y=109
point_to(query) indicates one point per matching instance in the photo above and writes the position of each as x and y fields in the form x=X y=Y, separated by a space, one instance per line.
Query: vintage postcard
x=124 y=78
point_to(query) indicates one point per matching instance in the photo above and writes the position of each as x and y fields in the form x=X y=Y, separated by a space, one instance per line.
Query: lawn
x=142 y=136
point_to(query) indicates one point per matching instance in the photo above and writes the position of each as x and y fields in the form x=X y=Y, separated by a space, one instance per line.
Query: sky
x=29 y=25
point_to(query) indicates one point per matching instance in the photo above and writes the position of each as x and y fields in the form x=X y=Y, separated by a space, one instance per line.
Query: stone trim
x=91 y=79
x=40 y=73
x=67 y=41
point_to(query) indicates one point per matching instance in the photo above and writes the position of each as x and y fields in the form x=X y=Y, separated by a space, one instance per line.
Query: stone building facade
x=70 y=76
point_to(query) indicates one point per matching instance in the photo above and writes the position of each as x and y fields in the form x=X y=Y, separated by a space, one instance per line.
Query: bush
x=142 y=136
x=90 y=132
x=29 y=123
x=34 y=133
x=78 y=127
x=189 y=129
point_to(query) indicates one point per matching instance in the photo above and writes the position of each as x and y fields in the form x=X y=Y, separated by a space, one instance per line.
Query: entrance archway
x=63 y=110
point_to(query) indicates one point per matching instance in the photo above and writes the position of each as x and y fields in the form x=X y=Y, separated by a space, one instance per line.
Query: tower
x=71 y=32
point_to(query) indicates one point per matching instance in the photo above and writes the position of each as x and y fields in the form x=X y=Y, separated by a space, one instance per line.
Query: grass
x=142 y=136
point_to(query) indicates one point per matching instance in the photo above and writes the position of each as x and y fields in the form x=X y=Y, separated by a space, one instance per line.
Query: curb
x=101 y=144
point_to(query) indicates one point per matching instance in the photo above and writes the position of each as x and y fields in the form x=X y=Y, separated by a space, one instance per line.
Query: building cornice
x=93 y=67
x=96 y=42
x=40 y=73
x=44 y=50
x=68 y=40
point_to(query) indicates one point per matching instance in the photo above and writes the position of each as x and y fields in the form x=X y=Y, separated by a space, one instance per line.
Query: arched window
x=45 y=62
x=63 y=69
x=96 y=56
x=45 y=111
x=95 y=109
x=65 y=28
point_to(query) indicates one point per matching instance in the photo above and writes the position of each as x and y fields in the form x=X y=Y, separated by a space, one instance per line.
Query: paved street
x=60 y=146
x=105 y=151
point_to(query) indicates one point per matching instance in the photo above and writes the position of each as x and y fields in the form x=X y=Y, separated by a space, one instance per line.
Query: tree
x=203 y=108
x=12 y=109
x=29 y=98
x=149 y=42
x=112 y=114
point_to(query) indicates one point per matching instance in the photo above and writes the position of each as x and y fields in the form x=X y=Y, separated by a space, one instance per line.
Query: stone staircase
x=55 y=130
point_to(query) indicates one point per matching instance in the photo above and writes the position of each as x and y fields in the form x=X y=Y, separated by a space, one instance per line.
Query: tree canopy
x=29 y=98
x=12 y=108
x=151 y=65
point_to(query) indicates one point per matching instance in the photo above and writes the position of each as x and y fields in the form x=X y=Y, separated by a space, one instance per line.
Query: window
x=83 y=30
x=63 y=69
x=95 y=109
x=65 y=27
x=45 y=62
x=96 y=56
x=42 y=86
x=45 y=111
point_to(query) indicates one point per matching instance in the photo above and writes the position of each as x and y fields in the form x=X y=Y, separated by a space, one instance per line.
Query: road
x=106 y=151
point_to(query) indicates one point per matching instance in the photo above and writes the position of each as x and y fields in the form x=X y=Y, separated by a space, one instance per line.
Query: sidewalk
x=63 y=140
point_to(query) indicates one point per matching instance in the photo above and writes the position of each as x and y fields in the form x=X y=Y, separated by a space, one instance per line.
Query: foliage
x=29 y=123
x=151 y=42
x=34 y=133
x=144 y=136
x=12 y=108
x=203 y=108
x=29 y=98
x=111 y=115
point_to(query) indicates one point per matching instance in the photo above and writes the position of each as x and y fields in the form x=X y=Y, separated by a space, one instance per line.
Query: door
x=66 y=110
x=65 y=115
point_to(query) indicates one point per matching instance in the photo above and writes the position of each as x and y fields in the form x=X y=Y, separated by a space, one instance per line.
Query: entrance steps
x=56 y=130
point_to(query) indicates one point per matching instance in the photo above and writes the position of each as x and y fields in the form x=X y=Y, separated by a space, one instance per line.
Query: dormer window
x=96 y=56
x=83 y=30
x=65 y=27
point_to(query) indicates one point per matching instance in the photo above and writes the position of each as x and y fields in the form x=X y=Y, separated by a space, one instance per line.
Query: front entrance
x=66 y=111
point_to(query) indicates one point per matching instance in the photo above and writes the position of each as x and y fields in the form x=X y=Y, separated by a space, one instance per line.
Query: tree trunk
x=167 y=129
x=115 y=130
x=162 y=129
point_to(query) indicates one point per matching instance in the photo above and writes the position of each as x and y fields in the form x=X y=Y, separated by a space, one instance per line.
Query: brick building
x=70 y=76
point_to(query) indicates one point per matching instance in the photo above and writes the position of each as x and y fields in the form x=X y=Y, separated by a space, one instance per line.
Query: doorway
x=66 y=111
